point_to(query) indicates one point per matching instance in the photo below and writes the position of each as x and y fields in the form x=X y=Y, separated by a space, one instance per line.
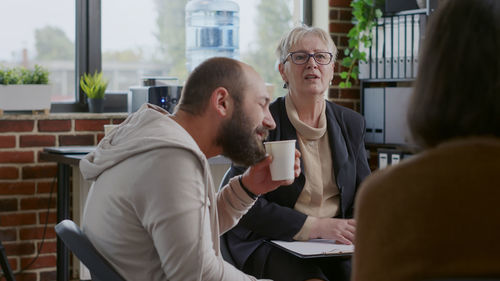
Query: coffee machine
x=155 y=92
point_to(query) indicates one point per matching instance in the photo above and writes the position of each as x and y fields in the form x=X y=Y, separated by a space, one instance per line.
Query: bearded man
x=152 y=211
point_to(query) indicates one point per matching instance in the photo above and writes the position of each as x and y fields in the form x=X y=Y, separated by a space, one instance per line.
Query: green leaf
x=342 y=84
x=343 y=75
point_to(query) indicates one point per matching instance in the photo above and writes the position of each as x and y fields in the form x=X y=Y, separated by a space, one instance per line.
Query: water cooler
x=212 y=30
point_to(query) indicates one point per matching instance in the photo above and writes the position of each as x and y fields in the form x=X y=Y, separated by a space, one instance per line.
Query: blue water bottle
x=212 y=30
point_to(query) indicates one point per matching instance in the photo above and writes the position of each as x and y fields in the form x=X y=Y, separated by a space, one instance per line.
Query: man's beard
x=239 y=141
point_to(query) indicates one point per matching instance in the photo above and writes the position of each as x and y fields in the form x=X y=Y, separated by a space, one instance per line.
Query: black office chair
x=4 y=262
x=73 y=237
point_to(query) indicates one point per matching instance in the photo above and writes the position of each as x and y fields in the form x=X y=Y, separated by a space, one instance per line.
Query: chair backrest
x=4 y=262
x=74 y=238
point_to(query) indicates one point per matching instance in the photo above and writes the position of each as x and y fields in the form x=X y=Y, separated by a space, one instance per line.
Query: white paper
x=315 y=247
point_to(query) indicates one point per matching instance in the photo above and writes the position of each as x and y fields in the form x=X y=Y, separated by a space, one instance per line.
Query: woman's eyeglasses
x=322 y=58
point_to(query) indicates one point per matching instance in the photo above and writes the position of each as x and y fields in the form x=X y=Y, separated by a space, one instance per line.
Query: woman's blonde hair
x=298 y=33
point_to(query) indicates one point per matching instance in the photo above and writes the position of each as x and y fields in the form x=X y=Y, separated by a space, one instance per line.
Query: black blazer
x=273 y=216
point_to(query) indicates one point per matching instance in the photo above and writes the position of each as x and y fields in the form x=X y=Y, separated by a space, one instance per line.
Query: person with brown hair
x=436 y=214
x=153 y=211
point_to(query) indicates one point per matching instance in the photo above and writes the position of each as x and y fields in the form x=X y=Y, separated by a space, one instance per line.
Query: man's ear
x=221 y=101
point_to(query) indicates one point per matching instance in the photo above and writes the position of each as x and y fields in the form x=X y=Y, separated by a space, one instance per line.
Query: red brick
x=99 y=137
x=91 y=125
x=334 y=14
x=17 y=219
x=52 y=217
x=16 y=125
x=41 y=262
x=20 y=249
x=36 y=172
x=17 y=156
x=7 y=235
x=118 y=121
x=343 y=42
x=37 y=233
x=26 y=277
x=9 y=173
x=48 y=247
x=345 y=15
x=37 y=140
x=48 y=275
x=37 y=203
x=45 y=187
x=17 y=188
x=344 y=94
x=340 y=3
x=76 y=140
x=54 y=125
x=340 y=27
x=7 y=141
x=8 y=205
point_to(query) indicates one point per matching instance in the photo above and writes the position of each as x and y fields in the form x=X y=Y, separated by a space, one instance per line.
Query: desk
x=68 y=162
x=64 y=167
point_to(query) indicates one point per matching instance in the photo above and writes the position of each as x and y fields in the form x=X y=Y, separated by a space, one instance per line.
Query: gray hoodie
x=153 y=211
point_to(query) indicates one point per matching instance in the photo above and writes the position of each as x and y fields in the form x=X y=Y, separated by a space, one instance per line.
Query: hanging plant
x=365 y=16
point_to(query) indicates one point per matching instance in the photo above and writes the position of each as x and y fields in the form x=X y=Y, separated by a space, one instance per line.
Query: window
x=139 y=38
x=43 y=33
x=147 y=38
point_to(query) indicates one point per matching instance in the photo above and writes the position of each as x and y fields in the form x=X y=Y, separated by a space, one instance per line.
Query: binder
x=395 y=47
x=373 y=110
x=401 y=45
x=373 y=54
x=364 y=66
x=416 y=42
x=409 y=47
x=395 y=124
x=388 y=47
x=382 y=160
x=380 y=49
x=395 y=158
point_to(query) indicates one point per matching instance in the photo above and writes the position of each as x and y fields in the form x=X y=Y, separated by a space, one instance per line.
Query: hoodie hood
x=149 y=128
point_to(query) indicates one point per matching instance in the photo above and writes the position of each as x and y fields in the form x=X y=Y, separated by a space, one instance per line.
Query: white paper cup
x=108 y=129
x=283 y=153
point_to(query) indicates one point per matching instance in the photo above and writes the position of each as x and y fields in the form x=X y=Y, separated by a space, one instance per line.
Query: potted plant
x=365 y=14
x=22 y=89
x=94 y=86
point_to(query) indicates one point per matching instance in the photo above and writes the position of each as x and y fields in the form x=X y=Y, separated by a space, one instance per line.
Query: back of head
x=296 y=34
x=208 y=76
x=457 y=92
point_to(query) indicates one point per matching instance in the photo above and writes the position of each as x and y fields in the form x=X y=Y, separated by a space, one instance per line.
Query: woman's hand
x=257 y=178
x=341 y=230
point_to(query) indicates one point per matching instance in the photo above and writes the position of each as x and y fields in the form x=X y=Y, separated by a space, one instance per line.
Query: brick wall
x=26 y=183
x=340 y=24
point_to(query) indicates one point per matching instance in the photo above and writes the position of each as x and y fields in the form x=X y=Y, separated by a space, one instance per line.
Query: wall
x=340 y=24
x=26 y=183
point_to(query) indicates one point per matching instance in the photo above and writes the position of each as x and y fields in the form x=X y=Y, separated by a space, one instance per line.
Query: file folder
x=380 y=49
x=401 y=49
x=409 y=47
x=395 y=47
x=382 y=160
x=388 y=47
x=373 y=110
x=395 y=123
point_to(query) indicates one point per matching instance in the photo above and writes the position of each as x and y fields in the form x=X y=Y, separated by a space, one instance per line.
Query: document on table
x=314 y=248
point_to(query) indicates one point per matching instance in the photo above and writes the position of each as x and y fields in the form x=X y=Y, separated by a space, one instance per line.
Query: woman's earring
x=285 y=86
